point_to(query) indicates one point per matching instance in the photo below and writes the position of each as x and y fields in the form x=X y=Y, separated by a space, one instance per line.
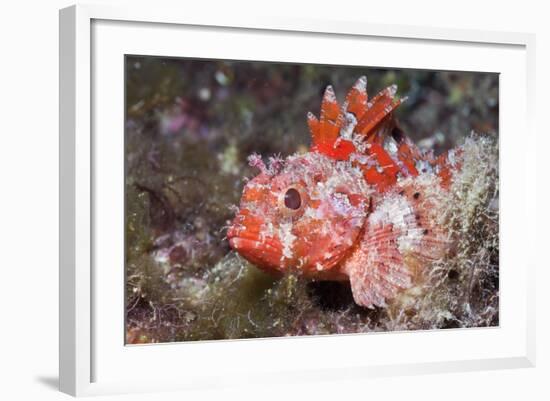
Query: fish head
x=303 y=214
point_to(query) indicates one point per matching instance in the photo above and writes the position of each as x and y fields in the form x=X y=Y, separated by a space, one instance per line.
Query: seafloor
x=190 y=126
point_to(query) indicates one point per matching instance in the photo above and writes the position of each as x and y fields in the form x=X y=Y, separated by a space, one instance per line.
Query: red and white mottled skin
x=333 y=217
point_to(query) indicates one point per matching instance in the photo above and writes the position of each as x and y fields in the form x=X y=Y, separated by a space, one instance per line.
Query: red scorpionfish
x=364 y=204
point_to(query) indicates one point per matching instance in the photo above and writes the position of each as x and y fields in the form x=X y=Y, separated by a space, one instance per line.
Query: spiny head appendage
x=276 y=163
x=255 y=160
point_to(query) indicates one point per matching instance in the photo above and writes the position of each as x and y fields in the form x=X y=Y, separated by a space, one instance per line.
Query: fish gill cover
x=191 y=126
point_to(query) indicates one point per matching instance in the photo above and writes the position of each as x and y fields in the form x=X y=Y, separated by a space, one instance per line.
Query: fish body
x=364 y=204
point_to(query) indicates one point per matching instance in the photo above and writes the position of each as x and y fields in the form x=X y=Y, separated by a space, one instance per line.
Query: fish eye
x=293 y=200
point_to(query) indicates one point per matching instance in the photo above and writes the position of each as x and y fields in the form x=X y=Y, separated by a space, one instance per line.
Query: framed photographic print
x=249 y=192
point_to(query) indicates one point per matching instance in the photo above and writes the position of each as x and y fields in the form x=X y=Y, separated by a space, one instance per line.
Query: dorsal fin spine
x=338 y=130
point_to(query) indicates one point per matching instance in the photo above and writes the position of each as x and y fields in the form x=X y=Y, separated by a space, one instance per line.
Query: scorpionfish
x=363 y=204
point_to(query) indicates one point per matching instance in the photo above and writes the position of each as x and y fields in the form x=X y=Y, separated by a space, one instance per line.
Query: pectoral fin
x=377 y=270
x=399 y=241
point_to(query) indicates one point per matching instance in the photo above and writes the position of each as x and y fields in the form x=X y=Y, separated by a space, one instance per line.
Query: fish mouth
x=264 y=252
x=246 y=244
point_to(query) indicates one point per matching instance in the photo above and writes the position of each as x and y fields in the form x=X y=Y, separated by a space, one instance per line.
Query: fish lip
x=245 y=238
x=264 y=256
x=247 y=244
x=239 y=235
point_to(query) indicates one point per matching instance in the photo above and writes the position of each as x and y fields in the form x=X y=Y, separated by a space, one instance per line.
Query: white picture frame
x=92 y=353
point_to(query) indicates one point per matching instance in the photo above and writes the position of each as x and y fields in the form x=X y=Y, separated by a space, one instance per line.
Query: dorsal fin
x=325 y=132
x=378 y=109
x=363 y=117
x=357 y=98
x=366 y=127
x=330 y=120
x=381 y=170
x=446 y=163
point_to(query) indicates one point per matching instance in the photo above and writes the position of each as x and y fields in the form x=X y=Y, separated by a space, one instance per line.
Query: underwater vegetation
x=190 y=128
